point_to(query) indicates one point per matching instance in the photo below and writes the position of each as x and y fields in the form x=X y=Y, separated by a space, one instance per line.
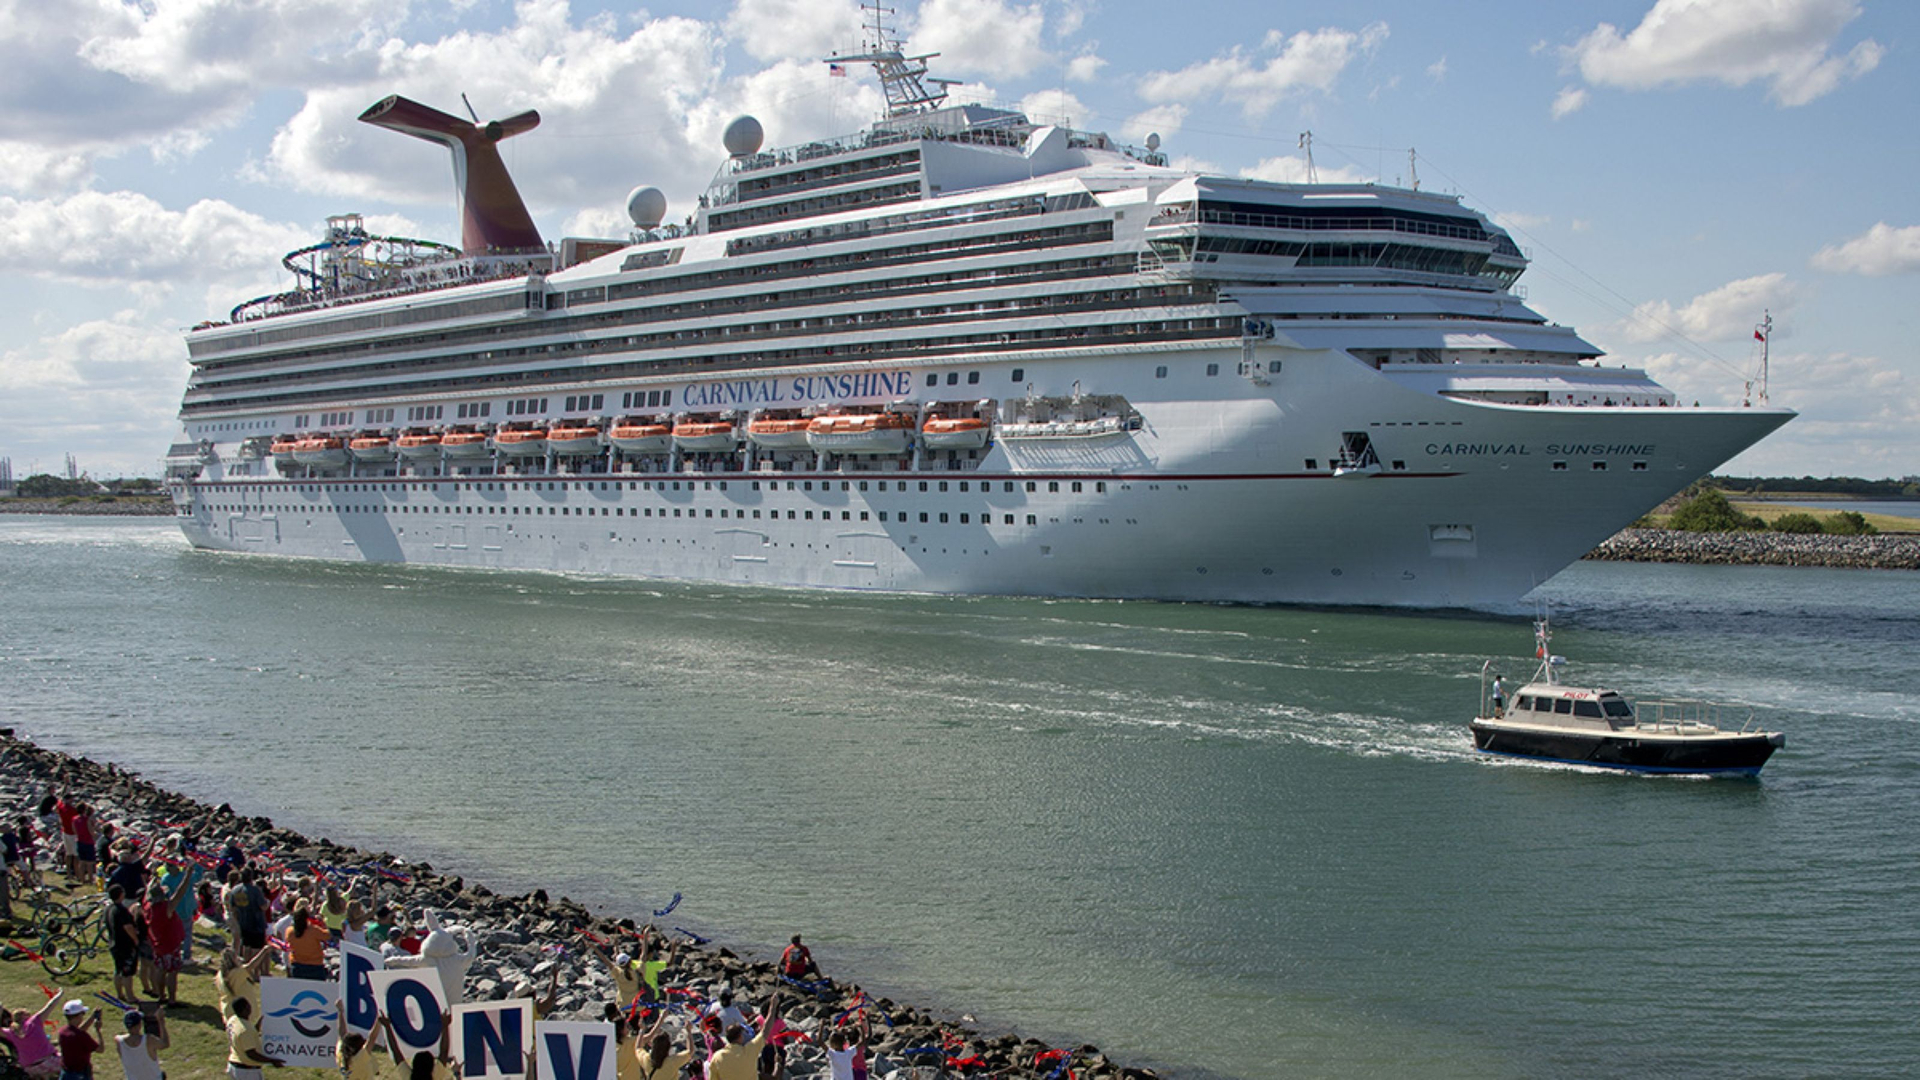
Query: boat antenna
x=1542 y=637
x=1413 y=167
x=1765 y=333
x=1306 y=143
x=903 y=78
x=469 y=105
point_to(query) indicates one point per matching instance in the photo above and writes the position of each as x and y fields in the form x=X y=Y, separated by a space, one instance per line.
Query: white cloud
x=118 y=237
x=1308 y=61
x=1165 y=120
x=105 y=390
x=1727 y=313
x=1786 y=43
x=1085 y=67
x=1857 y=413
x=982 y=36
x=1569 y=100
x=1437 y=71
x=1056 y=106
x=1581 y=225
x=1520 y=219
x=1287 y=169
x=88 y=79
x=1878 y=252
x=617 y=109
x=795 y=29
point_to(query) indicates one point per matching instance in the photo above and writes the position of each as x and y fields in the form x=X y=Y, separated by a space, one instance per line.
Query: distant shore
x=1883 y=552
x=87 y=505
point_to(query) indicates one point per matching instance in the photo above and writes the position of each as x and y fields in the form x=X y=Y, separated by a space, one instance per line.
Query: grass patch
x=199 y=1047
x=1886 y=523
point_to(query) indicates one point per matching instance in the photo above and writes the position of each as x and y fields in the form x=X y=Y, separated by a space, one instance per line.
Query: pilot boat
x=1550 y=721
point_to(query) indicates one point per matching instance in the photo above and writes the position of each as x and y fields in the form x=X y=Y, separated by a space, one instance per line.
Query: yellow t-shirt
x=626 y=1065
x=360 y=1066
x=626 y=982
x=738 y=1061
x=243 y=1043
x=669 y=1067
x=238 y=983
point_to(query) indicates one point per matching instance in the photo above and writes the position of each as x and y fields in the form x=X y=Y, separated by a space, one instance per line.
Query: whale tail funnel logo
x=493 y=219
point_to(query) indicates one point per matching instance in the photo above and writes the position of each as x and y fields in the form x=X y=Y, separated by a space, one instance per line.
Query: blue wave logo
x=308 y=1006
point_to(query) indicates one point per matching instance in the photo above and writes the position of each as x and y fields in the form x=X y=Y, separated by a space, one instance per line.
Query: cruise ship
x=964 y=351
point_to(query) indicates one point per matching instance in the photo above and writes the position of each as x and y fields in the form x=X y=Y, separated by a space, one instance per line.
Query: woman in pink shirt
x=28 y=1034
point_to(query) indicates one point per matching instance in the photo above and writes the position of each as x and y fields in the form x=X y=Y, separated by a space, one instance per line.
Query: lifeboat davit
x=954 y=433
x=464 y=444
x=371 y=448
x=519 y=442
x=419 y=445
x=860 y=433
x=1103 y=427
x=324 y=451
x=770 y=433
x=574 y=440
x=704 y=436
x=640 y=437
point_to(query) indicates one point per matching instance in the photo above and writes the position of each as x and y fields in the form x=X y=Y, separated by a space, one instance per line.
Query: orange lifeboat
x=860 y=433
x=419 y=445
x=324 y=451
x=282 y=448
x=776 y=433
x=704 y=436
x=464 y=443
x=574 y=440
x=954 y=433
x=371 y=448
x=519 y=442
x=634 y=436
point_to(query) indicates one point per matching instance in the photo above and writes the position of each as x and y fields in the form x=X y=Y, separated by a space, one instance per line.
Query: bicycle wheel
x=60 y=954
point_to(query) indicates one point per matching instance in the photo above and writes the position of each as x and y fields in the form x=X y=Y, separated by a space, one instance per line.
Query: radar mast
x=903 y=78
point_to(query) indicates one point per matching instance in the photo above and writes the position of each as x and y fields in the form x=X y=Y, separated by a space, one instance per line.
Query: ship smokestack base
x=493 y=218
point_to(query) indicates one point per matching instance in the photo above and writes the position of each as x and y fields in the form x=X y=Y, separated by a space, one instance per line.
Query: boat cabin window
x=1563 y=705
x=1616 y=707
x=1587 y=708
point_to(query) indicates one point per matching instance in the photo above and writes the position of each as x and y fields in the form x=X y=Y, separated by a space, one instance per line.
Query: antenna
x=902 y=77
x=469 y=105
x=1765 y=333
x=1306 y=143
x=1413 y=166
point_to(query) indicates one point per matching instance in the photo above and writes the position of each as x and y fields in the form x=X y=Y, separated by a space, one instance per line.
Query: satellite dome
x=1153 y=141
x=743 y=136
x=646 y=206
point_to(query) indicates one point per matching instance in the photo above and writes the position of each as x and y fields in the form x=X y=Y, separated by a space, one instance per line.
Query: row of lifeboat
x=839 y=433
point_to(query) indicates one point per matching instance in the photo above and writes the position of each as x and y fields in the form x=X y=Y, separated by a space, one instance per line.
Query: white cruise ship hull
x=1210 y=499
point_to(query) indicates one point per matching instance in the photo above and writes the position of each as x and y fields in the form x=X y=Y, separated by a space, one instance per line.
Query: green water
x=1233 y=841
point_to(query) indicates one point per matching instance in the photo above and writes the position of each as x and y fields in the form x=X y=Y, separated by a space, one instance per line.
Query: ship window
x=1076 y=485
x=1031 y=520
x=1030 y=485
x=1213 y=369
x=1273 y=366
x=1616 y=707
x=943 y=485
x=923 y=517
x=597 y=399
x=1587 y=708
x=1524 y=703
x=1639 y=466
x=953 y=378
x=1563 y=705
x=1313 y=464
x=923 y=485
x=1599 y=466
x=933 y=379
x=1400 y=466
x=1018 y=375
x=809 y=515
x=863 y=515
x=1160 y=372
x=943 y=518
x=1559 y=466
x=973 y=377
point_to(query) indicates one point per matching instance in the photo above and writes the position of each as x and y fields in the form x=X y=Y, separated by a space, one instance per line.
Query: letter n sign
x=575 y=1050
x=494 y=1039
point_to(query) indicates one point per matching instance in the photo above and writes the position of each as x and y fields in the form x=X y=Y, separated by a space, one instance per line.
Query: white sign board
x=575 y=1050
x=494 y=1039
x=413 y=1003
x=296 y=1021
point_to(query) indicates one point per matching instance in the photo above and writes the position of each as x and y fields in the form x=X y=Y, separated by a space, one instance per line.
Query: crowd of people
x=157 y=888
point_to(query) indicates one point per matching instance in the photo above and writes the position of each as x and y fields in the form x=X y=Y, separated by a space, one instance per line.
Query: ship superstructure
x=961 y=351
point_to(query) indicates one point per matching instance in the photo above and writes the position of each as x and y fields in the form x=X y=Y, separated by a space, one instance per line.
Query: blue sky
x=1673 y=167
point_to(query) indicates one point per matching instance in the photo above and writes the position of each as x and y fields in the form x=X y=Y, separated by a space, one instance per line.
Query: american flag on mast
x=836 y=71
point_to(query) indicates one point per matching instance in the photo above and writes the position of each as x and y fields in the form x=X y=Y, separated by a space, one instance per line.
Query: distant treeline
x=1909 y=487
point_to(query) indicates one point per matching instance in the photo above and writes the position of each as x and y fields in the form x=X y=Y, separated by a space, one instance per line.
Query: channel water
x=1226 y=841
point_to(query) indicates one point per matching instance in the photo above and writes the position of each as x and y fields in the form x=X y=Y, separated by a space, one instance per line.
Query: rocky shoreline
x=520 y=939
x=1883 y=552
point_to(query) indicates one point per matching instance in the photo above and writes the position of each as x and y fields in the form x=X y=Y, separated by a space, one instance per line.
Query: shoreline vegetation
x=523 y=944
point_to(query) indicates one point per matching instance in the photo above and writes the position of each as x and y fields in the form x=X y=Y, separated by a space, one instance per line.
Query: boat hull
x=1728 y=753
